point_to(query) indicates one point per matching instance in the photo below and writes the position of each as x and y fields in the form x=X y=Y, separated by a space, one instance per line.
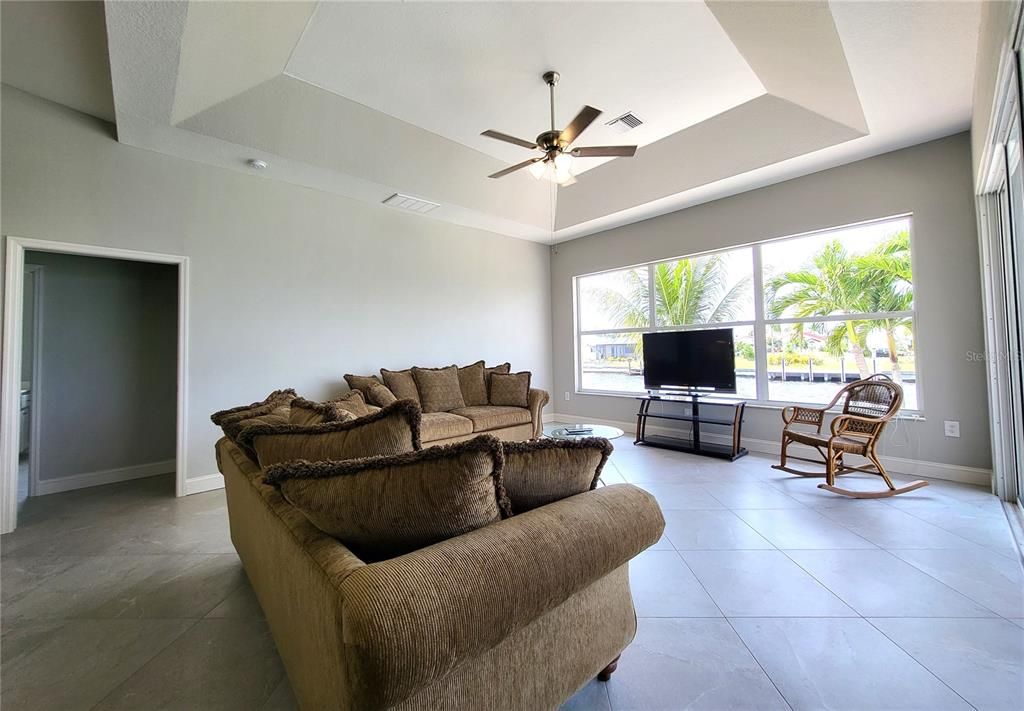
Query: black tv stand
x=732 y=418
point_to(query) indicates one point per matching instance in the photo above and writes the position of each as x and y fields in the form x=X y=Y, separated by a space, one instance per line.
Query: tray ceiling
x=369 y=99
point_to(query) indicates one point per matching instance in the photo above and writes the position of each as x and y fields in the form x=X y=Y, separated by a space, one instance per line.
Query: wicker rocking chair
x=868 y=405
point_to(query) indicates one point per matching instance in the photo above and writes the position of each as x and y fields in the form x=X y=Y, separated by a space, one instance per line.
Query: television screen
x=690 y=360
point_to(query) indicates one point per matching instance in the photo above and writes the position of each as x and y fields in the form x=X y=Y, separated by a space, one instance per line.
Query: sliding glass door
x=1001 y=214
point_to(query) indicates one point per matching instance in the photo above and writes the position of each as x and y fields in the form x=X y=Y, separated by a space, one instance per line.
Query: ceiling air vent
x=406 y=202
x=627 y=122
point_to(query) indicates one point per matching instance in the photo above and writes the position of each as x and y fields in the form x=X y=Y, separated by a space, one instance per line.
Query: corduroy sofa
x=518 y=614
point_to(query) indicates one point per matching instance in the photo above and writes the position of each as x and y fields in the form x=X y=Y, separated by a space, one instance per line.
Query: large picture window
x=808 y=313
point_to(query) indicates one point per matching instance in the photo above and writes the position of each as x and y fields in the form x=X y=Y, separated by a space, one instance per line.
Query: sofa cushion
x=512 y=390
x=307 y=412
x=442 y=425
x=361 y=382
x=374 y=391
x=382 y=507
x=492 y=417
x=379 y=395
x=353 y=402
x=401 y=383
x=438 y=388
x=394 y=429
x=473 y=383
x=273 y=409
x=540 y=472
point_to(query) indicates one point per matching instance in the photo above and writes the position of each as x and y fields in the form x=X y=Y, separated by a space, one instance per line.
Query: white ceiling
x=367 y=99
x=456 y=71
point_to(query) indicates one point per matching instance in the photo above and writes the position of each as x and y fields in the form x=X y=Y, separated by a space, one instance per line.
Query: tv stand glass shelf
x=696 y=409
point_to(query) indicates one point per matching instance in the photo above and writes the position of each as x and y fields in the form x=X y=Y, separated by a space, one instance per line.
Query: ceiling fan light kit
x=557 y=162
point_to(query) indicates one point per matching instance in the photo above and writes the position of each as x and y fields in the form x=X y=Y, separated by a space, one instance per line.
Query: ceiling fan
x=558 y=156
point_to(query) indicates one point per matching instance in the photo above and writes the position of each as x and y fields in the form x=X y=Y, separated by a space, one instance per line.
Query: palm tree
x=887 y=274
x=686 y=292
x=839 y=283
x=829 y=286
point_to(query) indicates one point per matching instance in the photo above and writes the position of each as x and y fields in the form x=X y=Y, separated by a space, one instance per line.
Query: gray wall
x=109 y=357
x=932 y=180
x=290 y=287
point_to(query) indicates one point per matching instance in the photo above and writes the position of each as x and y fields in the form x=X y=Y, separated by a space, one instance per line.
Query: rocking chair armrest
x=803 y=415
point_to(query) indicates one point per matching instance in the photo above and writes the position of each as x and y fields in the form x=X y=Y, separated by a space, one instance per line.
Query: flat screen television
x=690 y=360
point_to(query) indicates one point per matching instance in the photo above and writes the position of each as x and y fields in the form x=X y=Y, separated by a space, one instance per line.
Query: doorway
x=31 y=373
x=79 y=359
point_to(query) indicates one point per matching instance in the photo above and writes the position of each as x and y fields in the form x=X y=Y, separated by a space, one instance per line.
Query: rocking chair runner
x=868 y=405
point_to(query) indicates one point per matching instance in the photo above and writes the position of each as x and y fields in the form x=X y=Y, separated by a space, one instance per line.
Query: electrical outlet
x=952 y=428
x=567 y=395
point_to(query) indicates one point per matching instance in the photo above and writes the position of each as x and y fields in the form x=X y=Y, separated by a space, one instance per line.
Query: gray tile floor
x=765 y=592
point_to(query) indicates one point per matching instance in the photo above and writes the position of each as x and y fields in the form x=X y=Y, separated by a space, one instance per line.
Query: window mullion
x=652 y=302
x=760 y=342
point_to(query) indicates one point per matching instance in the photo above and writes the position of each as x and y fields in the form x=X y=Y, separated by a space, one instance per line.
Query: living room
x=359 y=215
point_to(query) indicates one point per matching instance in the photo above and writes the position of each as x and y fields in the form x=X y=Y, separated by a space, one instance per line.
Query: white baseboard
x=107 y=476
x=909 y=467
x=203 y=483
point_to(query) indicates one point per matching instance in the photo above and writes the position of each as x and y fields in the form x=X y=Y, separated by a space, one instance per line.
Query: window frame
x=759 y=324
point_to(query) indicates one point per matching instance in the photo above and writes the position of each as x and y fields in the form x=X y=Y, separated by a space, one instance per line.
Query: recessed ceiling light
x=257 y=163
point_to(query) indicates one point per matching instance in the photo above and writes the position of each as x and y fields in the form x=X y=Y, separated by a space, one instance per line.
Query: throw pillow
x=547 y=470
x=354 y=403
x=307 y=412
x=401 y=384
x=504 y=368
x=512 y=390
x=274 y=408
x=382 y=507
x=473 y=384
x=394 y=429
x=379 y=395
x=438 y=388
x=361 y=382
x=371 y=387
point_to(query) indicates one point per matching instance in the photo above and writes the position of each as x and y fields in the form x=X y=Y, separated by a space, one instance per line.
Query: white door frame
x=35 y=423
x=996 y=282
x=10 y=369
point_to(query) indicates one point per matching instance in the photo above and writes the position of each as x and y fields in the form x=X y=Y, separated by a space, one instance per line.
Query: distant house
x=601 y=351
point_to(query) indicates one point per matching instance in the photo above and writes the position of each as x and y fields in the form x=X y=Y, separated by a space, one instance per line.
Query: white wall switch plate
x=567 y=395
x=952 y=428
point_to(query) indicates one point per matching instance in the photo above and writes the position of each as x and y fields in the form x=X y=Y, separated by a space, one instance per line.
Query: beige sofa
x=458 y=424
x=508 y=423
x=518 y=614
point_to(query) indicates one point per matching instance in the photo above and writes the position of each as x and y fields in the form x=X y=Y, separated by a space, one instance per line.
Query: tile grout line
x=973 y=544
x=918 y=661
x=980 y=545
x=895 y=557
x=733 y=628
x=144 y=664
x=889 y=551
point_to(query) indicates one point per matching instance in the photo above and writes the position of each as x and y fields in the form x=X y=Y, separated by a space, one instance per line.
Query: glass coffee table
x=560 y=432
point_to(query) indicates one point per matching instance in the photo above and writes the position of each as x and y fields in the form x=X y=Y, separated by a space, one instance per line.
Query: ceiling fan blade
x=498 y=135
x=579 y=124
x=514 y=168
x=603 y=151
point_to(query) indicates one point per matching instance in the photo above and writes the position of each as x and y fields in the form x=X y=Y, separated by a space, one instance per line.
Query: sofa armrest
x=410 y=620
x=537 y=400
